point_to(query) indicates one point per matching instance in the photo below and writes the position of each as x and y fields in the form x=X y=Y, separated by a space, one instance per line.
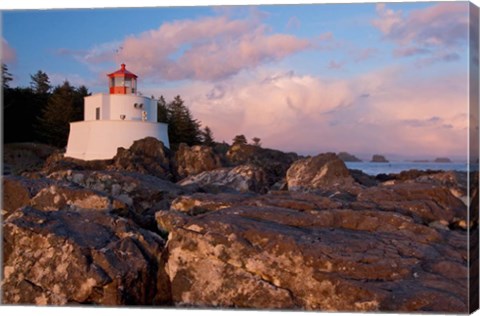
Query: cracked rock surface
x=257 y=254
x=89 y=257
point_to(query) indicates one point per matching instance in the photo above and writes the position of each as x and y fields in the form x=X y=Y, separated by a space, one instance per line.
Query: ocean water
x=374 y=168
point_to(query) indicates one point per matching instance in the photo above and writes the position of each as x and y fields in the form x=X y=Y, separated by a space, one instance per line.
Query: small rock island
x=346 y=157
x=378 y=158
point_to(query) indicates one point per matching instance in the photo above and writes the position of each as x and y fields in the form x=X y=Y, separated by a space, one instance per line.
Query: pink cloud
x=8 y=53
x=386 y=111
x=206 y=49
x=443 y=26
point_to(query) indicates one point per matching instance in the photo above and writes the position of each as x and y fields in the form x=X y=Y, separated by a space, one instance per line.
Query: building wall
x=112 y=106
x=91 y=140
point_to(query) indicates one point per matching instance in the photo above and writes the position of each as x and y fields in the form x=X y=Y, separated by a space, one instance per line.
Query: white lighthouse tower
x=115 y=120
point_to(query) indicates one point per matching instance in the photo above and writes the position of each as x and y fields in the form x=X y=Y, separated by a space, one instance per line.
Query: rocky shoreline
x=248 y=228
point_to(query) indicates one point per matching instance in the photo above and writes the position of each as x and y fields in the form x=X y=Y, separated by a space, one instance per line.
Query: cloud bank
x=384 y=111
x=211 y=48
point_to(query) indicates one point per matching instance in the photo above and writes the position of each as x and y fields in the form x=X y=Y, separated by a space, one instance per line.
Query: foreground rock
x=147 y=156
x=140 y=195
x=243 y=178
x=274 y=162
x=325 y=171
x=196 y=159
x=89 y=257
x=253 y=255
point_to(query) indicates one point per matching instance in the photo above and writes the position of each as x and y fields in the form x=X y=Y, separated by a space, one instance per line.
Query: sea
x=375 y=168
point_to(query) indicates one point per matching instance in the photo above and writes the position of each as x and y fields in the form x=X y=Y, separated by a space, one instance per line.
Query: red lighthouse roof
x=122 y=72
x=122 y=81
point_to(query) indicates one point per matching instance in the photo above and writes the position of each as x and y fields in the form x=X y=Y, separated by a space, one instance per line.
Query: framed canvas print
x=283 y=157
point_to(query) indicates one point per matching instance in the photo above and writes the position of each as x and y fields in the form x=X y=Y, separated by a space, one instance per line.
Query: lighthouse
x=115 y=119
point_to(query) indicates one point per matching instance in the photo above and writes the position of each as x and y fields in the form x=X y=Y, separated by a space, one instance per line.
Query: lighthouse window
x=119 y=82
x=97 y=113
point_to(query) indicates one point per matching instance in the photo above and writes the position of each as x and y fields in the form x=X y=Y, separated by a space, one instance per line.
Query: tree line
x=42 y=113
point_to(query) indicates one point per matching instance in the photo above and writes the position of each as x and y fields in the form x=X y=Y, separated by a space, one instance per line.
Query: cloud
x=385 y=111
x=211 y=48
x=360 y=55
x=335 y=65
x=293 y=23
x=8 y=53
x=440 y=27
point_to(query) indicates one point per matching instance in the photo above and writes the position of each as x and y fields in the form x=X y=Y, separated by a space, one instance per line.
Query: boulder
x=196 y=159
x=378 y=158
x=90 y=257
x=57 y=197
x=270 y=257
x=146 y=156
x=17 y=192
x=141 y=194
x=324 y=171
x=274 y=162
x=243 y=178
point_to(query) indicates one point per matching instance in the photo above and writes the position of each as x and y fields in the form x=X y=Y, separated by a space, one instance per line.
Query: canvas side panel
x=473 y=157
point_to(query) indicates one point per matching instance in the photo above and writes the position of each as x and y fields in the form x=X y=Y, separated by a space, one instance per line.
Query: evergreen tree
x=6 y=77
x=240 y=139
x=78 y=102
x=256 y=141
x=182 y=128
x=162 y=111
x=207 y=136
x=60 y=110
x=40 y=82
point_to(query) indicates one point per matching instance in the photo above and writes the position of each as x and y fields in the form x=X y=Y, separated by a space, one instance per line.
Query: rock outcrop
x=306 y=257
x=243 y=178
x=275 y=163
x=378 y=158
x=325 y=171
x=336 y=240
x=196 y=159
x=147 y=156
x=89 y=257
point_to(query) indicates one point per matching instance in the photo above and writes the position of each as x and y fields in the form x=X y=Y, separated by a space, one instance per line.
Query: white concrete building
x=115 y=120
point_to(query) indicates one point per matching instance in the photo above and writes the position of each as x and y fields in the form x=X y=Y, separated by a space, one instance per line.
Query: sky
x=367 y=78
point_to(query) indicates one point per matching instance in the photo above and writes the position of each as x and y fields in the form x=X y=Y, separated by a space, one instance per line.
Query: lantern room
x=122 y=81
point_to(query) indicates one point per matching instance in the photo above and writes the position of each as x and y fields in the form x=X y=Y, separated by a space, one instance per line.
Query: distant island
x=378 y=158
x=437 y=160
x=442 y=159
x=346 y=157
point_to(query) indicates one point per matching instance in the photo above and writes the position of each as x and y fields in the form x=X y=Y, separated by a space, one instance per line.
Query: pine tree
x=207 y=136
x=60 y=110
x=239 y=139
x=182 y=128
x=162 y=111
x=6 y=77
x=40 y=83
x=256 y=141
